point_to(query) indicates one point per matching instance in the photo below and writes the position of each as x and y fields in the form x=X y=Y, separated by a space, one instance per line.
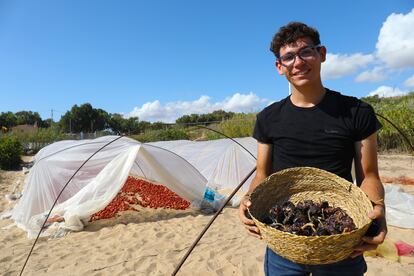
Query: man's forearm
x=255 y=182
x=374 y=189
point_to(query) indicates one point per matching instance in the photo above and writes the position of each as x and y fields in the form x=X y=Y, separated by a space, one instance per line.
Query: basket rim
x=304 y=169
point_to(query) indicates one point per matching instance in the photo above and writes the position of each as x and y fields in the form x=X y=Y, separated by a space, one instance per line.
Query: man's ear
x=279 y=67
x=322 y=53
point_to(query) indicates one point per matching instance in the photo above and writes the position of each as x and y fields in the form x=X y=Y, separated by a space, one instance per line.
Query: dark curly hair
x=290 y=33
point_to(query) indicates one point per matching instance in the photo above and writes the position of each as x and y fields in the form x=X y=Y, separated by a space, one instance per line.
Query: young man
x=316 y=127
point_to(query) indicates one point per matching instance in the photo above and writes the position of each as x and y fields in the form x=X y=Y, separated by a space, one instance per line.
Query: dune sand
x=152 y=242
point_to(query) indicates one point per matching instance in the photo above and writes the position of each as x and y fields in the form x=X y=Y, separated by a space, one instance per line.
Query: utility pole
x=51 y=116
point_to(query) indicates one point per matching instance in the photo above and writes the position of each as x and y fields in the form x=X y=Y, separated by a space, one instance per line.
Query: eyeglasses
x=307 y=53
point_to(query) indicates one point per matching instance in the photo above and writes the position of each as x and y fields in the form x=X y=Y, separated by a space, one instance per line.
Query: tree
x=84 y=118
x=46 y=123
x=101 y=119
x=157 y=125
x=131 y=125
x=8 y=119
x=183 y=119
x=115 y=123
x=119 y=124
x=143 y=125
x=28 y=117
x=218 y=115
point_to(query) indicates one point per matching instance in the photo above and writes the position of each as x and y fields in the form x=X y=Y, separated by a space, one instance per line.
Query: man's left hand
x=371 y=243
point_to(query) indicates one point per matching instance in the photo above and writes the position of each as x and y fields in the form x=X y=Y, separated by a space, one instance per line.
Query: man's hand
x=371 y=243
x=249 y=224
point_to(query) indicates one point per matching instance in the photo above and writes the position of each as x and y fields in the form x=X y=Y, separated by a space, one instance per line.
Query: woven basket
x=304 y=183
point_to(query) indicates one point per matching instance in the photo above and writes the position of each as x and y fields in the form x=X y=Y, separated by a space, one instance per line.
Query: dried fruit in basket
x=309 y=218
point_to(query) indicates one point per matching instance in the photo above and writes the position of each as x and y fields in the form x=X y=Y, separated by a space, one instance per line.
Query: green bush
x=10 y=151
x=162 y=135
x=240 y=125
x=211 y=135
x=399 y=110
x=35 y=141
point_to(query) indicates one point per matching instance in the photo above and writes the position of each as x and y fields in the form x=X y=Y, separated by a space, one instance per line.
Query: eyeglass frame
x=313 y=47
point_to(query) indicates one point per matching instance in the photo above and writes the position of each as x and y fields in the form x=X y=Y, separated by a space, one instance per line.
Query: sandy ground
x=152 y=242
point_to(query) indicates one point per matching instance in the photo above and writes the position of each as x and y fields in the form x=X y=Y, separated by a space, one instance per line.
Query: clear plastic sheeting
x=99 y=180
x=399 y=207
x=193 y=170
x=222 y=162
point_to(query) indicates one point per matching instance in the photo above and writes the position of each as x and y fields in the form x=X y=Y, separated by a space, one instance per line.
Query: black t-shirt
x=322 y=136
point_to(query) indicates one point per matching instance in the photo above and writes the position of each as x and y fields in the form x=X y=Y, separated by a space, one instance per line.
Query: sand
x=152 y=242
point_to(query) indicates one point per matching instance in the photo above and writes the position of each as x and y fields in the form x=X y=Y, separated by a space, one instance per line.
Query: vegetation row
x=84 y=118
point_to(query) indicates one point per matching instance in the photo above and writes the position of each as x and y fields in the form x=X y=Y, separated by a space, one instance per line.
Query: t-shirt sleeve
x=365 y=121
x=259 y=132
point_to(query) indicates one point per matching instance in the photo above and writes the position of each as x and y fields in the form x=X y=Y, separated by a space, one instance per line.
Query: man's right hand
x=249 y=224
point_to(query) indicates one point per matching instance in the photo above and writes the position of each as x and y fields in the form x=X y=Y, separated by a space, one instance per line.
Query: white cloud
x=394 y=50
x=395 y=45
x=409 y=82
x=387 y=91
x=338 y=65
x=375 y=75
x=155 y=111
x=239 y=102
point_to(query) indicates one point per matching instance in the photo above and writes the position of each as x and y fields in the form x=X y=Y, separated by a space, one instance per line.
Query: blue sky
x=159 y=60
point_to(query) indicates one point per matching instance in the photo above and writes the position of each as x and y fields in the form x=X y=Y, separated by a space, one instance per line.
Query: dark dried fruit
x=309 y=219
